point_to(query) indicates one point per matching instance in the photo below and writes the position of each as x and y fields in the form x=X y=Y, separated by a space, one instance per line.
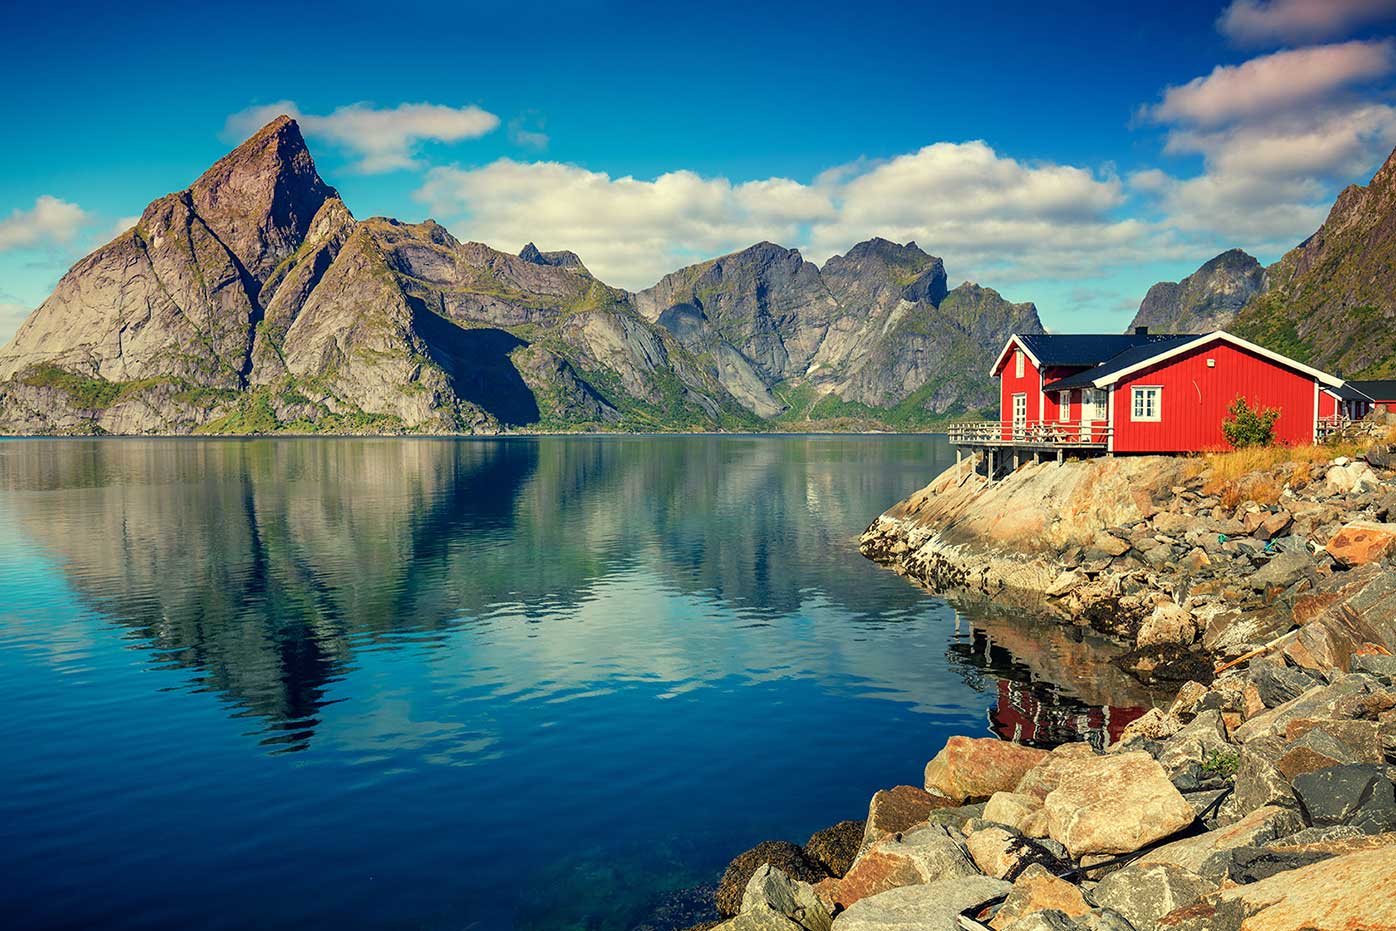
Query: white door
x=1092 y=411
x=1020 y=416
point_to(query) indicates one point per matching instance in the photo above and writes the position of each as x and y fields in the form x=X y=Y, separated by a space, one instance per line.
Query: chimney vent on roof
x=1141 y=331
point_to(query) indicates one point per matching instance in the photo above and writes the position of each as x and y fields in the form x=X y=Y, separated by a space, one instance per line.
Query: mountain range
x=253 y=301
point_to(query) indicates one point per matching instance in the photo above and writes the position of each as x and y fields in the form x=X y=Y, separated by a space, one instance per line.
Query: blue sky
x=1069 y=154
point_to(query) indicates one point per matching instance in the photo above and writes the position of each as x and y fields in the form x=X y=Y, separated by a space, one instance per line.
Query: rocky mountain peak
x=1206 y=300
x=879 y=266
x=561 y=258
x=260 y=198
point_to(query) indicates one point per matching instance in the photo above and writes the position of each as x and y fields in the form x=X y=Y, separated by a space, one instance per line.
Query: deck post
x=1059 y=455
x=957 y=455
x=1016 y=461
x=990 y=467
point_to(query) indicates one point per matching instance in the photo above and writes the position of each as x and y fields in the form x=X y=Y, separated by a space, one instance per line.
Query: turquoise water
x=520 y=683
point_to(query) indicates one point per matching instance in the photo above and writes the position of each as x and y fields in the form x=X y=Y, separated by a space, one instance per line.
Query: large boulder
x=1169 y=623
x=1114 y=804
x=972 y=769
x=923 y=855
x=899 y=809
x=1144 y=893
x=1047 y=774
x=1318 y=702
x=789 y=858
x=1362 y=542
x=1356 y=892
x=835 y=847
x=931 y=907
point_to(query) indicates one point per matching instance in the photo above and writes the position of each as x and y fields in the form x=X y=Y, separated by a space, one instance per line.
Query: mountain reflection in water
x=436 y=678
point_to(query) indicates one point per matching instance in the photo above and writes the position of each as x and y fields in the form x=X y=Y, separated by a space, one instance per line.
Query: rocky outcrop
x=1204 y=301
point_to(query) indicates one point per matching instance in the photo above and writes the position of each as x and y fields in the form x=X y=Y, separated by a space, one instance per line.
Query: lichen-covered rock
x=1209 y=854
x=899 y=809
x=972 y=769
x=1012 y=809
x=924 y=855
x=836 y=846
x=1362 y=542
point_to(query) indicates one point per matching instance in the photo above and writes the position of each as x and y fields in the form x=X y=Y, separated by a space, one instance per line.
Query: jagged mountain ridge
x=253 y=301
x=1204 y=301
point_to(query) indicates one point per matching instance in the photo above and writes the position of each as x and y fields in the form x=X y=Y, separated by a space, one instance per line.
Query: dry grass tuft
x=1260 y=473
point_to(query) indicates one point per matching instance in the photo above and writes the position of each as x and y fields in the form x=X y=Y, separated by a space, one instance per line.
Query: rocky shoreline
x=1262 y=797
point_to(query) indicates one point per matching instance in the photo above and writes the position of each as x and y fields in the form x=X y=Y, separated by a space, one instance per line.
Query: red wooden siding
x=1195 y=397
x=1010 y=384
x=1327 y=404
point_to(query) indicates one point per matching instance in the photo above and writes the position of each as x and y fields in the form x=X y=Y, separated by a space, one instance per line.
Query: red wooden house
x=1148 y=393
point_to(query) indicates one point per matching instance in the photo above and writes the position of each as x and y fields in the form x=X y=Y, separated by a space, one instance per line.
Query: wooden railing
x=1329 y=427
x=1030 y=433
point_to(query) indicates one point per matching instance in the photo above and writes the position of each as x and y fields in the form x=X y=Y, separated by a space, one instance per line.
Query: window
x=1018 y=363
x=1146 y=403
x=1063 y=405
x=1020 y=415
x=1097 y=411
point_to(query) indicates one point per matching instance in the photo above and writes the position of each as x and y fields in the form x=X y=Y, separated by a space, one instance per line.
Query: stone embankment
x=1261 y=798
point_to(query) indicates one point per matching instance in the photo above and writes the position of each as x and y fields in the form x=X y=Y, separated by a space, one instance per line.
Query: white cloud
x=528 y=133
x=49 y=221
x=1278 y=136
x=1276 y=83
x=382 y=139
x=985 y=213
x=1257 y=22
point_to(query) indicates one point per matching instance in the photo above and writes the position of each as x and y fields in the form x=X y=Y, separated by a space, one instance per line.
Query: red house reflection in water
x=1024 y=714
x=1030 y=710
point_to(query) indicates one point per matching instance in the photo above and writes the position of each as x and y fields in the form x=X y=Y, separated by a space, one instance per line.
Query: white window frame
x=1064 y=406
x=1097 y=402
x=1018 y=363
x=1139 y=391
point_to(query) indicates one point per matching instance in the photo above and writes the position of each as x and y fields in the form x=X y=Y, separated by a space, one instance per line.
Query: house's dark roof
x=1349 y=391
x=1378 y=390
x=1076 y=349
x=1130 y=355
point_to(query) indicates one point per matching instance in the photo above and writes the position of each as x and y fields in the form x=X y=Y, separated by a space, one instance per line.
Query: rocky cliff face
x=875 y=331
x=1329 y=301
x=254 y=301
x=1204 y=301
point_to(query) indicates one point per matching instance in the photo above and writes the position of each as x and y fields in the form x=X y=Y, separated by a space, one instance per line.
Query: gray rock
x=1354 y=793
x=930 y=907
x=1278 y=684
x=1381 y=668
x=772 y=894
x=1145 y=893
x=1282 y=571
x=1252 y=864
x=1259 y=781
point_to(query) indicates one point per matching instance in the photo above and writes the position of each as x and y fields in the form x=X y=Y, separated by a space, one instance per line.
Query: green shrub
x=1248 y=426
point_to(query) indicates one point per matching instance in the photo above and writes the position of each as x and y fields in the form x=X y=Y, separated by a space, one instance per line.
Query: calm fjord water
x=521 y=683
